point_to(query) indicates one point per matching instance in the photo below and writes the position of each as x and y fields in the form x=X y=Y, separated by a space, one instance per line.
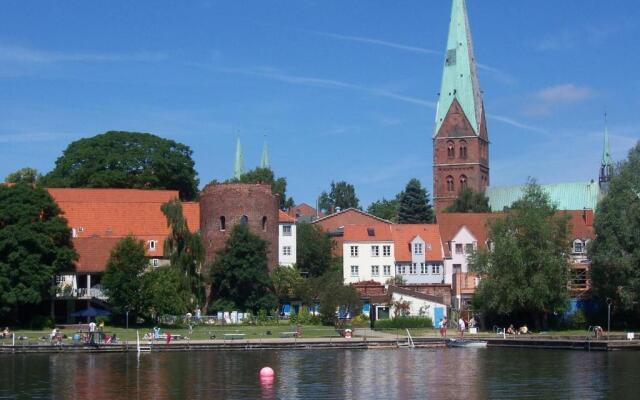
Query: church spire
x=238 y=167
x=459 y=77
x=606 y=165
x=264 y=161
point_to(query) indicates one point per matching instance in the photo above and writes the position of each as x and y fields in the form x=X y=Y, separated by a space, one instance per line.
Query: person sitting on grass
x=598 y=331
x=6 y=333
x=523 y=330
x=510 y=330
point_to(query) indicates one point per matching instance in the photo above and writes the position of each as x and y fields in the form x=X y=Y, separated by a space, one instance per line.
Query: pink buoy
x=266 y=372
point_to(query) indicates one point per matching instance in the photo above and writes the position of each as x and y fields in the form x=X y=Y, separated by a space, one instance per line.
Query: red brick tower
x=460 y=140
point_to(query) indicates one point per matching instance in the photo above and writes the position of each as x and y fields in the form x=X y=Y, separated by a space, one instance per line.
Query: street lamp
x=608 y=316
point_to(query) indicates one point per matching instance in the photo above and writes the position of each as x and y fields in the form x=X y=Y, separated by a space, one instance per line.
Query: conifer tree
x=414 y=205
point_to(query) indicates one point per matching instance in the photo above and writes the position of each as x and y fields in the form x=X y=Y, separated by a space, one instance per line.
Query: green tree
x=126 y=160
x=334 y=296
x=286 y=283
x=266 y=175
x=527 y=271
x=163 y=292
x=342 y=195
x=385 y=209
x=184 y=249
x=469 y=201
x=35 y=245
x=314 y=249
x=414 y=205
x=615 y=253
x=26 y=175
x=122 y=279
x=239 y=274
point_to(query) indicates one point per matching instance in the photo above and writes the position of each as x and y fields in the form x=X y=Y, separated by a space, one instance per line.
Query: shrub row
x=404 y=322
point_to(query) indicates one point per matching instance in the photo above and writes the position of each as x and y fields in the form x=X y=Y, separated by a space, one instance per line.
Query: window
x=375 y=270
x=450 y=185
x=402 y=269
x=286 y=230
x=423 y=269
x=578 y=247
x=386 y=270
x=413 y=268
x=286 y=250
x=417 y=248
x=354 y=251
x=463 y=149
x=458 y=248
x=490 y=245
x=375 y=251
x=264 y=223
x=435 y=269
x=463 y=182
x=155 y=262
x=386 y=251
x=354 y=270
x=457 y=268
x=222 y=223
x=451 y=150
x=244 y=220
x=468 y=248
x=152 y=244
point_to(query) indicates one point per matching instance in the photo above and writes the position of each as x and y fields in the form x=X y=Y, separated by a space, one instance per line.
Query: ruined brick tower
x=460 y=139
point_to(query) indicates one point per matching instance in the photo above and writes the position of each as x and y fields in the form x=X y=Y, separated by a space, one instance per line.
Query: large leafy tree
x=266 y=175
x=615 y=253
x=163 y=292
x=414 y=205
x=122 y=280
x=126 y=160
x=342 y=195
x=35 y=245
x=386 y=209
x=286 y=283
x=527 y=271
x=240 y=276
x=469 y=201
x=185 y=250
x=335 y=296
x=313 y=251
x=26 y=175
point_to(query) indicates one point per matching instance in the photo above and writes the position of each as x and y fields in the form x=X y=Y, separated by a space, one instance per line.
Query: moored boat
x=466 y=343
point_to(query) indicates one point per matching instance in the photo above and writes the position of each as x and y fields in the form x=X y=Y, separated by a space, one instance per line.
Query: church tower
x=606 y=166
x=460 y=139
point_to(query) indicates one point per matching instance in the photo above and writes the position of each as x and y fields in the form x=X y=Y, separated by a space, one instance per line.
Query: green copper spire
x=606 y=150
x=459 y=77
x=606 y=167
x=238 y=167
x=264 y=161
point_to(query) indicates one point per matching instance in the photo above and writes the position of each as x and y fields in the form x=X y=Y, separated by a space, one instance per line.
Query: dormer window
x=151 y=244
x=417 y=248
x=578 y=246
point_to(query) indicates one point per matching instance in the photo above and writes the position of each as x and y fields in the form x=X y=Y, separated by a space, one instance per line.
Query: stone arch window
x=264 y=223
x=463 y=182
x=451 y=150
x=463 y=149
x=450 y=184
x=223 y=223
x=244 y=220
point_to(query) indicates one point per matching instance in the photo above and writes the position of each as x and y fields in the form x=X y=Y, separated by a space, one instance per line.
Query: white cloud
x=565 y=93
x=384 y=43
x=35 y=56
x=515 y=123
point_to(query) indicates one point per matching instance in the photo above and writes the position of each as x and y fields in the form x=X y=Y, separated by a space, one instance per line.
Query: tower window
x=244 y=220
x=463 y=182
x=223 y=224
x=450 y=185
x=463 y=149
x=264 y=223
x=451 y=150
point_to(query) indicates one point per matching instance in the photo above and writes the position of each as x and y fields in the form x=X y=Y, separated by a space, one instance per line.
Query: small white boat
x=466 y=343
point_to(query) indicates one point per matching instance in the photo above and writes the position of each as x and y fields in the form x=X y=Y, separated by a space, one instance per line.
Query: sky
x=340 y=90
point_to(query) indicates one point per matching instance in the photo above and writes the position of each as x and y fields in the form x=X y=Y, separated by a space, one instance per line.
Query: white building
x=419 y=256
x=286 y=240
x=368 y=253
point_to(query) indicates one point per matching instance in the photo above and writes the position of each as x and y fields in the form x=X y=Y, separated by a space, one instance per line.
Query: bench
x=289 y=334
x=164 y=337
x=232 y=336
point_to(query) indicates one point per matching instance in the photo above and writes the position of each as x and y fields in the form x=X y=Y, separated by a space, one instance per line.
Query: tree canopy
x=126 y=160
x=615 y=253
x=122 y=280
x=26 y=175
x=163 y=292
x=35 y=245
x=240 y=276
x=469 y=201
x=527 y=271
x=342 y=195
x=414 y=207
x=386 y=209
x=266 y=175
x=314 y=249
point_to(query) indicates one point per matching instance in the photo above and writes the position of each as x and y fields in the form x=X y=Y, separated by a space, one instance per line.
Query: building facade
x=286 y=240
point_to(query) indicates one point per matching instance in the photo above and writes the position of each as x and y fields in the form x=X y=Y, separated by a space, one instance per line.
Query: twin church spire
x=238 y=166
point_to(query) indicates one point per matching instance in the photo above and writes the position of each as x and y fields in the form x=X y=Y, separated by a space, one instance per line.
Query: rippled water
x=325 y=374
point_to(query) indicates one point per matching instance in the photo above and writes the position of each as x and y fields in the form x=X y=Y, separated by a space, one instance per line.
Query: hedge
x=404 y=322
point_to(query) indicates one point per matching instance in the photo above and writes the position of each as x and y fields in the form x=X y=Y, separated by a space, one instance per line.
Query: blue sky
x=344 y=90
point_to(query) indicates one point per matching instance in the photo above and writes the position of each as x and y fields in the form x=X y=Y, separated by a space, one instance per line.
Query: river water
x=493 y=373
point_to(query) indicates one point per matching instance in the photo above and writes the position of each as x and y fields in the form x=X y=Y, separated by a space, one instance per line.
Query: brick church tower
x=460 y=140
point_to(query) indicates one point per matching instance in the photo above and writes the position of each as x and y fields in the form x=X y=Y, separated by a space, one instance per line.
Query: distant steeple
x=264 y=161
x=238 y=167
x=606 y=165
x=460 y=77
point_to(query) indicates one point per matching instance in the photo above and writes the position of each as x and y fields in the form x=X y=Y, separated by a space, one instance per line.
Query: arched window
x=450 y=185
x=223 y=224
x=244 y=220
x=463 y=149
x=451 y=150
x=264 y=223
x=463 y=181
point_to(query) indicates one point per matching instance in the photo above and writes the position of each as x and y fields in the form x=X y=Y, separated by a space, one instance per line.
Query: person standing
x=461 y=326
x=445 y=325
x=92 y=332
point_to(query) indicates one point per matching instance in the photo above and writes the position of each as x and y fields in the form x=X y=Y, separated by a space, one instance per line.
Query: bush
x=360 y=321
x=39 y=322
x=404 y=322
x=578 y=320
x=104 y=319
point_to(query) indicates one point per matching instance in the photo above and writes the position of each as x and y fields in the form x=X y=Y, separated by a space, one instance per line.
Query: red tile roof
x=350 y=216
x=112 y=195
x=360 y=233
x=581 y=224
x=403 y=235
x=94 y=253
x=284 y=217
x=451 y=223
x=303 y=209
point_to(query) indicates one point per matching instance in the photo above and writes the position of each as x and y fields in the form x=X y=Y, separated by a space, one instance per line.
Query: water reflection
x=323 y=374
